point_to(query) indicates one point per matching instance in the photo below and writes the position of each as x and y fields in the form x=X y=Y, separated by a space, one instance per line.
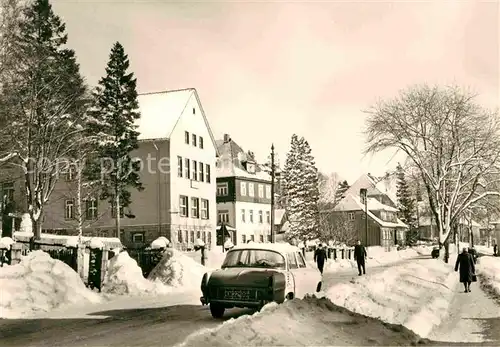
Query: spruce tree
x=42 y=101
x=341 y=189
x=116 y=111
x=406 y=205
x=301 y=191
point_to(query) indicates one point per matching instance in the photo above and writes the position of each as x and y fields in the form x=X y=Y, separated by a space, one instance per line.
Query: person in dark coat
x=495 y=250
x=320 y=257
x=467 y=269
x=360 y=257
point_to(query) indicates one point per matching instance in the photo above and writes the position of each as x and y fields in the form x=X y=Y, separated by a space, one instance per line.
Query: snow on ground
x=489 y=270
x=124 y=276
x=40 y=284
x=415 y=294
x=176 y=270
x=214 y=257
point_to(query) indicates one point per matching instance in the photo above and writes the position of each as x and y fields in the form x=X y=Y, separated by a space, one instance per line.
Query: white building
x=243 y=194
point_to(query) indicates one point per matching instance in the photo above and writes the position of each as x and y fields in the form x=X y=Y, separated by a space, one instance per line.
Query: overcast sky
x=266 y=70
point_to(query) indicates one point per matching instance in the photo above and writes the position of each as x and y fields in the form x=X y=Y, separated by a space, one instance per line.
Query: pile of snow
x=489 y=269
x=124 y=276
x=416 y=295
x=6 y=242
x=160 y=243
x=40 y=284
x=213 y=258
x=176 y=270
x=307 y=322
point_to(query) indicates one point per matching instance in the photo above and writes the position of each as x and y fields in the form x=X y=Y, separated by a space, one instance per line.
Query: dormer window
x=251 y=168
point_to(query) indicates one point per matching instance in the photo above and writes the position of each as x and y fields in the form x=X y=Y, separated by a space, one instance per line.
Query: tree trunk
x=446 y=250
x=117 y=211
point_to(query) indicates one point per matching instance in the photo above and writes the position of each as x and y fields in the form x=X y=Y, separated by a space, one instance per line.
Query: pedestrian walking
x=467 y=269
x=360 y=257
x=495 y=250
x=320 y=257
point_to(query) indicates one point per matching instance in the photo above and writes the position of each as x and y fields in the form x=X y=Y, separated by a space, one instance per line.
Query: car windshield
x=254 y=258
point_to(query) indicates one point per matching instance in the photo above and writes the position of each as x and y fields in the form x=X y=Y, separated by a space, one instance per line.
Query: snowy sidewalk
x=467 y=315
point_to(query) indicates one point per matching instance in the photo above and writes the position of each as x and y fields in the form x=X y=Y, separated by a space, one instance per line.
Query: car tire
x=318 y=287
x=217 y=311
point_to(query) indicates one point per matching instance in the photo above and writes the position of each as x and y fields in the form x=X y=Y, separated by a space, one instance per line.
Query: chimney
x=227 y=138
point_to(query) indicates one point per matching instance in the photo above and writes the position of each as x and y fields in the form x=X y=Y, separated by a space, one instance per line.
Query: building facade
x=243 y=194
x=384 y=227
x=178 y=154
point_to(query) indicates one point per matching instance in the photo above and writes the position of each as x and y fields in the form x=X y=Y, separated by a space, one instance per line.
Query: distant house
x=281 y=224
x=384 y=227
x=243 y=194
x=428 y=230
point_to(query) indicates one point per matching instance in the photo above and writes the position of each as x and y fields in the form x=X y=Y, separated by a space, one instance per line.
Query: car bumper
x=235 y=303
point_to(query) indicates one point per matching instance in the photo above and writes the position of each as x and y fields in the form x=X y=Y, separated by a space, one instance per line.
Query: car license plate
x=236 y=294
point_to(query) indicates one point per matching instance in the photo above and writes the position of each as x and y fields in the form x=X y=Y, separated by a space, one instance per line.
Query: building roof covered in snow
x=161 y=111
x=375 y=186
x=233 y=161
x=354 y=203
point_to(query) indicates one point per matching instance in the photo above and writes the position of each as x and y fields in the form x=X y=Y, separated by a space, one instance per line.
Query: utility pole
x=273 y=238
x=364 y=193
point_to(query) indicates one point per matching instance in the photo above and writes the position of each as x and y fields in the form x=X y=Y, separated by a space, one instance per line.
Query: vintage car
x=255 y=274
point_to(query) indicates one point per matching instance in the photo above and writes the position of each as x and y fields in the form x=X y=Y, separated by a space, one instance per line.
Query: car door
x=297 y=273
x=310 y=275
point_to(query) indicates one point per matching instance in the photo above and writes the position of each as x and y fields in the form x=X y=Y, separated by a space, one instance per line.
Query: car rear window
x=254 y=258
x=302 y=261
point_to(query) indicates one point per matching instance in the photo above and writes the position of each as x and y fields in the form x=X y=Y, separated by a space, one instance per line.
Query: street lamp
x=273 y=238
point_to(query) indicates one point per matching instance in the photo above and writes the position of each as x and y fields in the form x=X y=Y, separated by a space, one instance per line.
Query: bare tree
x=452 y=141
x=335 y=226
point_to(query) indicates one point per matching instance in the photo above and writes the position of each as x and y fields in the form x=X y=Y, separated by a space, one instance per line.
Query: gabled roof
x=230 y=162
x=375 y=186
x=353 y=203
x=161 y=111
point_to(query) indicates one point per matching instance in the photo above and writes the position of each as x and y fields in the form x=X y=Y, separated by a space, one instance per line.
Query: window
x=186 y=236
x=261 y=191
x=252 y=238
x=207 y=173
x=243 y=215
x=223 y=216
x=251 y=216
x=198 y=234
x=222 y=189
x=251 y=189
x=179 y=236
x=204 y=237
x=138 y=238
x=69 y=209
x=292 y=261
x=268 y=192
x=186 y=137
x=91 y=208
x=301 y=260
x=113 y=211
x=201 y=142
x=179 y=166
x=183 y=204
x=194 y=176
x=243 y=188
x=268 y=217
x=261 y=217
x=195 y=207
x=187 y=172
x=70 y=174
x=204 y=209
x=254 y=258
x=194 y=110
x=194 y=140
x=209 y=237
x=191 y=234
x=261 y=237
x=243 y=238
x=201 y=173
x=351 y=215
